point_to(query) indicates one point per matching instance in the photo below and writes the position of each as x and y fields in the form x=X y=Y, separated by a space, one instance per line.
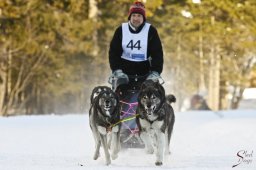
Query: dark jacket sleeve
x=116 y=50
x=155 y=50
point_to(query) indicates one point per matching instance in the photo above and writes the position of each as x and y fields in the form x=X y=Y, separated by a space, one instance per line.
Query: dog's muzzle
x=150 y=109
x=107 y=105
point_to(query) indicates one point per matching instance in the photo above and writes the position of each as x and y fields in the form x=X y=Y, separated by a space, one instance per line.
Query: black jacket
x=130 y=67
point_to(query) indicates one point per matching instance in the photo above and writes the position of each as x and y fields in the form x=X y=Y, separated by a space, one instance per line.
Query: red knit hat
x=137 y=7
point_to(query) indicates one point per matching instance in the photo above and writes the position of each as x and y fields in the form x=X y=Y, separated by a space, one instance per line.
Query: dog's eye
x=145 y=97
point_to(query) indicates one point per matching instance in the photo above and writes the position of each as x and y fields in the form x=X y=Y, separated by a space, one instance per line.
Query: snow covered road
x=201 y=140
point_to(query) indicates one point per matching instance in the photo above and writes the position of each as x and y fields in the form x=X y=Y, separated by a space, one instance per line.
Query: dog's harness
x=111 y=125
x=125 y=119
x=109 y=128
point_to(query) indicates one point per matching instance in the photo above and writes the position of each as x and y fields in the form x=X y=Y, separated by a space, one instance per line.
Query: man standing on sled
x=136 y=52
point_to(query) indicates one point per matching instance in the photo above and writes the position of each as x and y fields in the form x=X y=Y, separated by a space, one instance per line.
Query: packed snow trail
x=201 y=141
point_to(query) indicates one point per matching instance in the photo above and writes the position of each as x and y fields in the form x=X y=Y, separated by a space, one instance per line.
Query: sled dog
x=155 y=118
x=104 y=116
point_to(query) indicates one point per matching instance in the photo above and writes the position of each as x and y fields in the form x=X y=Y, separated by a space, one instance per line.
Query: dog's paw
x=114 y=156
x=108 y=162
x=95 y=157
x=158 y=163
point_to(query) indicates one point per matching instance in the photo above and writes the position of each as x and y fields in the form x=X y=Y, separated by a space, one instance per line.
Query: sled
x=127 y=91
x=128 y=94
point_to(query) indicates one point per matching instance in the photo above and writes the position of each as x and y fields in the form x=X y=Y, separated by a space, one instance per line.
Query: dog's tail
x=170 y=98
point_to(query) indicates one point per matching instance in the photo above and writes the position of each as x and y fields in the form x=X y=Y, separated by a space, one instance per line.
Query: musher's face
x=136 y=20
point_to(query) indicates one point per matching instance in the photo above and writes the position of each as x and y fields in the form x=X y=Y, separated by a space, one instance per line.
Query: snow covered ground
x=201 y=141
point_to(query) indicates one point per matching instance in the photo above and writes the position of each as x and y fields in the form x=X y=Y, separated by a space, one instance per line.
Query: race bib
x=135 y=45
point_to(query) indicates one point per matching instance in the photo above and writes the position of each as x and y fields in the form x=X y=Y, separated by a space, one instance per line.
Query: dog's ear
x=92 y=94
x=160 y=89
x=143 y=85
x=97 y=99
x=96 y=91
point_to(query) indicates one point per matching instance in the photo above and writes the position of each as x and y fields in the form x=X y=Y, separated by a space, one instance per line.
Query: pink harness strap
x=130 y=111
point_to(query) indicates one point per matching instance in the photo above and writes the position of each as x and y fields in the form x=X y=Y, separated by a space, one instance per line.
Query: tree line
x=53 y=52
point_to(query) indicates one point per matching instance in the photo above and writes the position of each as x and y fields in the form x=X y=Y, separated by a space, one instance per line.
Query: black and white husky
x=155 y=118
x=104 y=116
